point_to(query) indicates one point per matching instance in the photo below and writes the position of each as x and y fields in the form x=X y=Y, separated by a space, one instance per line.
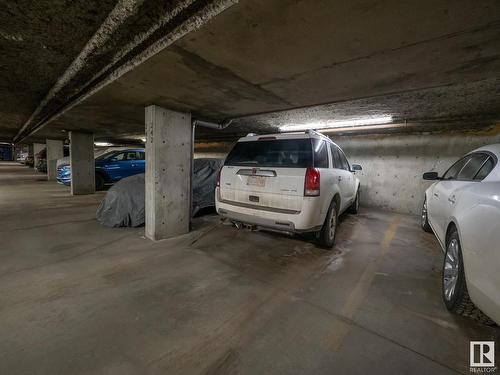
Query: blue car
x=110 y=167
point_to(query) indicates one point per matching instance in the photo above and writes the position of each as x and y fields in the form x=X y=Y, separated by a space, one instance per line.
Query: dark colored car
x=110 y=167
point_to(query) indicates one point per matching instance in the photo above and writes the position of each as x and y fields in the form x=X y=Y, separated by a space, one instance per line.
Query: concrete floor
x=79 y=298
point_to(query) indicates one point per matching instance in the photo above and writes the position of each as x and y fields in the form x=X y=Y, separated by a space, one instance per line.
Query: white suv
x=297 y=182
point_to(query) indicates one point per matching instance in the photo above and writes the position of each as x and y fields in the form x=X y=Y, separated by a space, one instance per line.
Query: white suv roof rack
x=312 y=131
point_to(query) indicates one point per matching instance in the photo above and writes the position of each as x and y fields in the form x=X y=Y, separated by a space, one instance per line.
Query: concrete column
x=54 y=152
x=81 y=154
x=37 y=147
x=168 y=172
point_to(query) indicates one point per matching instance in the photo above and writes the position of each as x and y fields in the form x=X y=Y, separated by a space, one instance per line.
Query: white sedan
x=462 y=208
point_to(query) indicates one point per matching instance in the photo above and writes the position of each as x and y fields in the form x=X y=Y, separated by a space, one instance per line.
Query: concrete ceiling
x=430 y=61
x=37 y=44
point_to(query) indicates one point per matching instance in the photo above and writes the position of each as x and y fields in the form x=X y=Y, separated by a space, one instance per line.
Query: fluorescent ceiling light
x=329 y=124
x=102 y=144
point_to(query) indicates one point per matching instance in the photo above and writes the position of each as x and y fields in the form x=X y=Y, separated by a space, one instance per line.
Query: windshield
x=107 y=155
x=284 y=153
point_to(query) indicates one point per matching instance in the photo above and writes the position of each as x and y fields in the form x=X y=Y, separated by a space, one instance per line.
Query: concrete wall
x=217 y=150
x=393 y=164
x=209 y=155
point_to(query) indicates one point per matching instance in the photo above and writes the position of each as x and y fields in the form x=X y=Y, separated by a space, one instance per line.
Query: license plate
x=256 y=181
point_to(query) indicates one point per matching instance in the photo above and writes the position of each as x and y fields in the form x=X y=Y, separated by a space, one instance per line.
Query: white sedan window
x=452 y=173
x=485 y=169
x=472 y=167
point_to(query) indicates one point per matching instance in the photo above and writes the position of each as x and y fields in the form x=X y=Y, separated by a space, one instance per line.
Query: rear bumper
x=309 y=219
x=64 y=181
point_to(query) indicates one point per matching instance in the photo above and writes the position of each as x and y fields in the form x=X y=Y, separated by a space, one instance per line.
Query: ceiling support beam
x=87 y=75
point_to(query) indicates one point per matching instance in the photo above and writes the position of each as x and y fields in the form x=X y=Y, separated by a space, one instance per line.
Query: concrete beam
x=81 y=154
x=168 y=172
x=54 y=151
x=105 y=57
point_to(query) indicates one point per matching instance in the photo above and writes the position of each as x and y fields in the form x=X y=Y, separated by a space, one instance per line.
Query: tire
x=454 y=286
x=354 y=208
x=424 y=222
x=99 y=182
x=328 y=232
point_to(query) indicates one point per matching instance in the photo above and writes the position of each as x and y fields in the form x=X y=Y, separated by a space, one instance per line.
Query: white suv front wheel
x=354 y=209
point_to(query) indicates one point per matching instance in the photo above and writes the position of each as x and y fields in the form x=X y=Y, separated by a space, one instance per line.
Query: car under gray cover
x=123 y=205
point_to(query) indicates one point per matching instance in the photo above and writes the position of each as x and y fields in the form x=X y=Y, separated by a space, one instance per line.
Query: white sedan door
x=443 y=201
x=446 y=192
x=480 y=230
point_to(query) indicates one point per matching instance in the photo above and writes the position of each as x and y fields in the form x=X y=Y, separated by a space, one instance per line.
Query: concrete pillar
x=168 y=172
x=14 y=153
x=81 y=154
x=54 y=152
x=37 y=147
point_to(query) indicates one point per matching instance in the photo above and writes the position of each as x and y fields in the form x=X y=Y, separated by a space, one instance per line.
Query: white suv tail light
x=312 y=182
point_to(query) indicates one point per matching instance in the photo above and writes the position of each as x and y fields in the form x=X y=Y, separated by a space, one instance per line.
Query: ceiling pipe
x=212 y=125
x=205 y=124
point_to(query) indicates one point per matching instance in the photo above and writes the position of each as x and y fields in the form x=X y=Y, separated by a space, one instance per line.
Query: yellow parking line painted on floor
x=360 y=291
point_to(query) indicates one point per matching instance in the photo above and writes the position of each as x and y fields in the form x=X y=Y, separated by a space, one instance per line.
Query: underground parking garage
x=248 y=187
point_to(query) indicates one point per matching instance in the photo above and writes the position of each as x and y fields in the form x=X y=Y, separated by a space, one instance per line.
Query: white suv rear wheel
x=329 y=230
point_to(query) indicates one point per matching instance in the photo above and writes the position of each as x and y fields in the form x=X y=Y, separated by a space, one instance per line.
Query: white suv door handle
x=340 y=178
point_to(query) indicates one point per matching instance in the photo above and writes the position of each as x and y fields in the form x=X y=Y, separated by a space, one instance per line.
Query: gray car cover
x=123 y=205
x=204 y=179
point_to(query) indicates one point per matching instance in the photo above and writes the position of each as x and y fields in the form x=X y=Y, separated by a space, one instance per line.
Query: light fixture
x=331 y=124
x=346 y=129
x=143 y=139
x=102 y=144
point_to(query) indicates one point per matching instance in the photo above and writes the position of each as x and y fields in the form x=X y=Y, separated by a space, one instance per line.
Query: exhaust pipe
x=238 y=224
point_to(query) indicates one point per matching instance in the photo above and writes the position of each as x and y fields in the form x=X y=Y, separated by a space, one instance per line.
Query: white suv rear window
x=279 y=153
